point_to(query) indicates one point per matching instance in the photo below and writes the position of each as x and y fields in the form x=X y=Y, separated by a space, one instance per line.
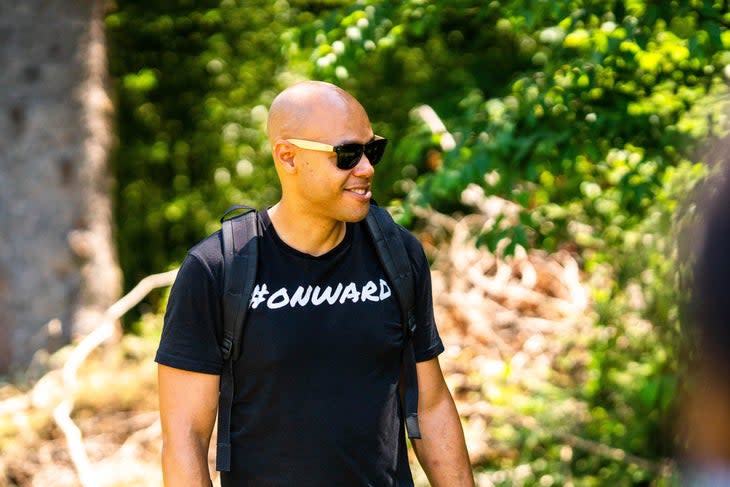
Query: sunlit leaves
x=579 y=112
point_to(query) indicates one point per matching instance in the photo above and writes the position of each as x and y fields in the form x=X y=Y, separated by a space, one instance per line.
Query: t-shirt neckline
x=268 y=228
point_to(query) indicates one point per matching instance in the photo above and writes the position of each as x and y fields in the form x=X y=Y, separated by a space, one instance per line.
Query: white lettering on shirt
x=318 y=296
x=259 y=295
x=384 y=290
x=300 y=296
x=327 y=295
x=350 y=293
x=368 y=292
x=278 y=300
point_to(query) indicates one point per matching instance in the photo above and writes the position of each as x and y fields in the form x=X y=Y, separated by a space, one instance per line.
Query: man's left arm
x=442 y=450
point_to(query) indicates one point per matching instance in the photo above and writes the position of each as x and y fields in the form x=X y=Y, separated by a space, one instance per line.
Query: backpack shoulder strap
x=240 y=256
x=239 y=239
x=392 y=253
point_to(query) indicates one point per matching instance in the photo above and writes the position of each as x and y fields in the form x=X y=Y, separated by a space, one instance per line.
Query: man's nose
x=363 y=167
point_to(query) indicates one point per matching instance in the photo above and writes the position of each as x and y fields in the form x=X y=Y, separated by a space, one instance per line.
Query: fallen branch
x=62 y=412
x=149 y=433
x=664 y=468
x=14 y=404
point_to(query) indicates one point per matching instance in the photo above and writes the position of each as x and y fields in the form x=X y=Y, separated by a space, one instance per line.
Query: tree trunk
x=58 y=268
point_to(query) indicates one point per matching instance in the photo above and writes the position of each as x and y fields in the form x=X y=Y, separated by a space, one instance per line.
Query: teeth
x=360 y=191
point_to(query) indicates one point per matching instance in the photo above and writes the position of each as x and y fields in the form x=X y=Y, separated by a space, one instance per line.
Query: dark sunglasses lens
x=374 y=150
x=349 y=155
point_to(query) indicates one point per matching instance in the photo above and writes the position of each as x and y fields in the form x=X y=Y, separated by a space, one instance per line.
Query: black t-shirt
x=316 y=387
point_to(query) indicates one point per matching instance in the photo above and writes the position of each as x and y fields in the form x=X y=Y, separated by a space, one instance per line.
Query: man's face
x=323 y=188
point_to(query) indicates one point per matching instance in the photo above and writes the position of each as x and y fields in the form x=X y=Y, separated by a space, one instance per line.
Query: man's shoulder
x=208 y=251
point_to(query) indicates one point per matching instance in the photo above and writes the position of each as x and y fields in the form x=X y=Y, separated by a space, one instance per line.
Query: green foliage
x=636 y=364
x=192 y=81
x=577 y=104
x=413 y=54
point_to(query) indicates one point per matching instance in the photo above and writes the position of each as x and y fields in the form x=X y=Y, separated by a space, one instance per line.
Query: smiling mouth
x=362 y=193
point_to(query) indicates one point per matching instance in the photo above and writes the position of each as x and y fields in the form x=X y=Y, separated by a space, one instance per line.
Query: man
x=317 y=384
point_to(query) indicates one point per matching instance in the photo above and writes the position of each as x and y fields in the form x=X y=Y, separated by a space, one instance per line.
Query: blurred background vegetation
x=591 y=115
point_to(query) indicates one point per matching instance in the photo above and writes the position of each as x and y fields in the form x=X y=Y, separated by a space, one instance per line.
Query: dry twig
x=62 y=412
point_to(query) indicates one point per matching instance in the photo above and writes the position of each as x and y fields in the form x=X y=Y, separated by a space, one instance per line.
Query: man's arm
x=442 y=449
x=188 y=406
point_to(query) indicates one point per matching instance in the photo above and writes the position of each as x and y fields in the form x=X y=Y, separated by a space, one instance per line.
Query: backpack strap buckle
x=226 y=347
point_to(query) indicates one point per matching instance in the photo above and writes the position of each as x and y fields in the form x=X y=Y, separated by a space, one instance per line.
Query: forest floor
x=515 y=331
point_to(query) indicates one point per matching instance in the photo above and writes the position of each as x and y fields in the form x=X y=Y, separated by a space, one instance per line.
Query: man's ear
x=284 y=156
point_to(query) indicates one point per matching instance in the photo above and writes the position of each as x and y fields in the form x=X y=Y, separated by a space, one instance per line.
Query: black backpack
x=240 y=257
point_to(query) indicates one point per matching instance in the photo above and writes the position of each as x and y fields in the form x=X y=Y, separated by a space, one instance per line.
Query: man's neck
x=306 y=233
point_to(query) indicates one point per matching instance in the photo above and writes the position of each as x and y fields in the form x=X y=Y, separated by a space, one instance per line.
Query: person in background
x=705 y=415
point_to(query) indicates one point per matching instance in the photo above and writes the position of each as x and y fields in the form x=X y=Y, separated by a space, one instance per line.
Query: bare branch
x=62 y=412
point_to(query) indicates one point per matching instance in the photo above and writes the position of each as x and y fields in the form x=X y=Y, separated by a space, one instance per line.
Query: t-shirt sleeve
x=427 y=342
x=188 y=338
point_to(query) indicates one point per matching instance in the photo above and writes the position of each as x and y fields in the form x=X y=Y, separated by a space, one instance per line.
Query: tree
x=58 y=268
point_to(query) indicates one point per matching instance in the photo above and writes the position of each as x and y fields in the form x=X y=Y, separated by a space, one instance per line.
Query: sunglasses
x=348 y=155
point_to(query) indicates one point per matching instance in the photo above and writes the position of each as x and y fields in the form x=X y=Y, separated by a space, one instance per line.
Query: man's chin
x=355 y=216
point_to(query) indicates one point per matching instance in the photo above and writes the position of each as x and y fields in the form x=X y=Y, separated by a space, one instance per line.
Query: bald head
x=308 y=109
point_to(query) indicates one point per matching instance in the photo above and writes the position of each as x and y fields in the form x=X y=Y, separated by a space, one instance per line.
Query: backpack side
x=393 y=256
x=239 y=240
